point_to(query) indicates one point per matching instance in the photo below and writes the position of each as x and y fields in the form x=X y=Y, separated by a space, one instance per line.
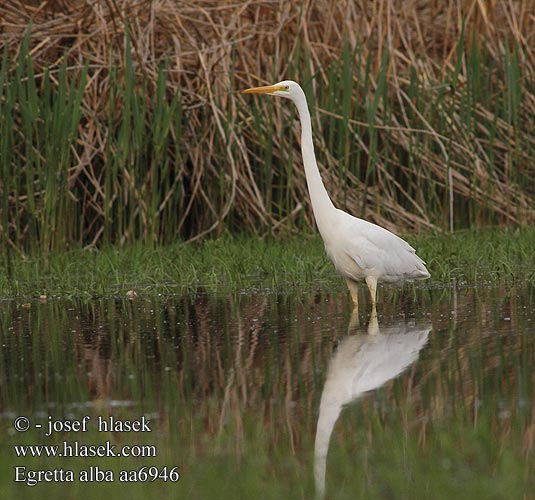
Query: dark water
x=274 y=396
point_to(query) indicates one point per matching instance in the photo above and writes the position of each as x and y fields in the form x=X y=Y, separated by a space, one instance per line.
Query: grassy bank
x=126 y=125
x=251 y=263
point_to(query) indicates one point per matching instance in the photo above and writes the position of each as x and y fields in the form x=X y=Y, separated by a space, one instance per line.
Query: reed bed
x=122 y=121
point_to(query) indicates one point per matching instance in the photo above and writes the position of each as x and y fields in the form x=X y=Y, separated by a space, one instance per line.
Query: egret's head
x=286 y=88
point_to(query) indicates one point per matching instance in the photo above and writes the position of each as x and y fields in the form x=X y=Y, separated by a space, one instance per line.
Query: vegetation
x=124 y=124
x=230 y=264
x=130 y=165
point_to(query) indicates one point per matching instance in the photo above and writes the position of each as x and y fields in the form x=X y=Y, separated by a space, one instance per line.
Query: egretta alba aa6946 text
x=359 y=250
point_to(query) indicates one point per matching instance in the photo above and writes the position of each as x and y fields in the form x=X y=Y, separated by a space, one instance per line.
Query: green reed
x=51 y=200
x=427 y=147
x=39 y=123
x=142 y=166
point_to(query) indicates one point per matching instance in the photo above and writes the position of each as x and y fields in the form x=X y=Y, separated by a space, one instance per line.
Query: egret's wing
x=373 y=248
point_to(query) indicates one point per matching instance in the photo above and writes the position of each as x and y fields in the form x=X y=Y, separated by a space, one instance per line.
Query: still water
x=267 y=395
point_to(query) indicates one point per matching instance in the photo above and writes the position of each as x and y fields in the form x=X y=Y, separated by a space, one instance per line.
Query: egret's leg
x=371 y=281
x=354 y=322
x=354 y=291
x=373 y=324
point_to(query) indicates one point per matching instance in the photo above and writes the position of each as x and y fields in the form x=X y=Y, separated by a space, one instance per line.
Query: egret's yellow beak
x=268 y=89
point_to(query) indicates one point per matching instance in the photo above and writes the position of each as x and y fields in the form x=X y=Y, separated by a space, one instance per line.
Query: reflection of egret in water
x=362 y=362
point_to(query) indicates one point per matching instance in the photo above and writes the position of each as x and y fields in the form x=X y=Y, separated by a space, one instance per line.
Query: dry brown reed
x=213 y=49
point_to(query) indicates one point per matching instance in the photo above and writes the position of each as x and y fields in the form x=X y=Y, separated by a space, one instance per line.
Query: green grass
x=253 y=263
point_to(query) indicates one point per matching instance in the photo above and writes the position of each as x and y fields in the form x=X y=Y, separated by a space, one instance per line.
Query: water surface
x=277 y=395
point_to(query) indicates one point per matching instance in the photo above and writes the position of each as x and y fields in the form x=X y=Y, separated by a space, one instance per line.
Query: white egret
x=359 y=250
x=361 y=363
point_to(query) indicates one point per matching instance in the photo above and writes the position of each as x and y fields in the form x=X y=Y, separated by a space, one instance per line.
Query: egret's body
x=361 y=363
x=359 y=250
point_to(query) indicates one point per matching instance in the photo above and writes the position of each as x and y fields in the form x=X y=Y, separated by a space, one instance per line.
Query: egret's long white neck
x=329 y=412
x=322 y=205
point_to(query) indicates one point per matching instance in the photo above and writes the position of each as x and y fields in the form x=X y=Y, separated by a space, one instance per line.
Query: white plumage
x=358 y=249
x=362 y=363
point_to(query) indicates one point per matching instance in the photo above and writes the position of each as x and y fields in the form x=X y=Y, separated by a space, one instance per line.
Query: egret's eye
x=286 y=87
